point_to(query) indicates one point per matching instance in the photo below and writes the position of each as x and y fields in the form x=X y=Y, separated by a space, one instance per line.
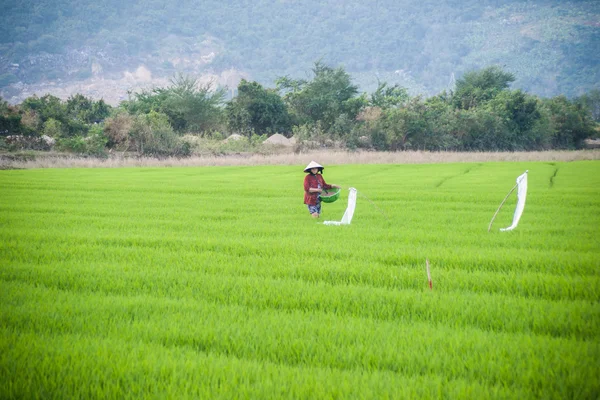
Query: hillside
x=99 y=49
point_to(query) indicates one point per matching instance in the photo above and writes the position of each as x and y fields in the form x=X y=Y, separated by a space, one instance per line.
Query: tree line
x=482 y=113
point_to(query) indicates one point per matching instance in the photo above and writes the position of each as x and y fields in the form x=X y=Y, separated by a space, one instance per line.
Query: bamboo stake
x=501 y=204
x=428 y=275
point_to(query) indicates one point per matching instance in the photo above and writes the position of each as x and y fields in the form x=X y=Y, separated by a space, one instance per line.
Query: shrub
x=31 y=121
x=74 y=144
x=53 y=128
x=26 y=142
x=117 y=131
x=92 y=145
x=152 y=135
x=571 y=123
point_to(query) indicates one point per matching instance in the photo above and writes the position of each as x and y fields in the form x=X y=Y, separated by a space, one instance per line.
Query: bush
x=10 y=124
x=188 y=105
x=75 y=144
x=30 y=142
x=402 y=128
x=31 y=121
x=152 y=135
x=53 y=128
x=482 y=130
x=92 y=145
x=571 y=123
x=117 y=130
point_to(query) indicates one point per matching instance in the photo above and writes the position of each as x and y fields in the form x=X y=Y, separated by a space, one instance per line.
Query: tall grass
x=215 y=282
x=283 y=156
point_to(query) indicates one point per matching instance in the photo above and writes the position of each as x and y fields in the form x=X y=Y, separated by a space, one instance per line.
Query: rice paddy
x=215 y=282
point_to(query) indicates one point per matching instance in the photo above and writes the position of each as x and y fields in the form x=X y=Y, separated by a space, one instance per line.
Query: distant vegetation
x=326 y=110
x=551 y=46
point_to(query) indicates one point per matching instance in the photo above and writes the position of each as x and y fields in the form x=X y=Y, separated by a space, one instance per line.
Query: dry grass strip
x=328 y=157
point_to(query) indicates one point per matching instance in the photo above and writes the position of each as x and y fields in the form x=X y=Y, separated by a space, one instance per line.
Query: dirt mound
x=278 y=140
x=592 y=143
x=234 y=137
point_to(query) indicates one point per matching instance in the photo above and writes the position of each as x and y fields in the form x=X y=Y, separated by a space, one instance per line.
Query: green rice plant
x=215 y=282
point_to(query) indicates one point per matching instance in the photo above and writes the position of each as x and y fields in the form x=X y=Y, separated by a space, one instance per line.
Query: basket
x=330 y=195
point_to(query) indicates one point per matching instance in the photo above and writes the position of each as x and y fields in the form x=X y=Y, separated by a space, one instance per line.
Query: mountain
x=107 y=48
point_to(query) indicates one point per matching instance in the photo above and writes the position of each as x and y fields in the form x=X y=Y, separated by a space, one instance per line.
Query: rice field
x=215 y=282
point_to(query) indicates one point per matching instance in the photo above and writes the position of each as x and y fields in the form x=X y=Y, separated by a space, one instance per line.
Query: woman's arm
x=307 y=187
x=323 y=183
x=327 y=186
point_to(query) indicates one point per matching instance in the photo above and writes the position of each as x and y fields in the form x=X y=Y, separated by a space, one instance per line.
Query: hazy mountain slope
x=552 y=46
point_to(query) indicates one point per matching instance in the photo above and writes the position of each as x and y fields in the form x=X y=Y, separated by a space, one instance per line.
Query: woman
x=313 y=185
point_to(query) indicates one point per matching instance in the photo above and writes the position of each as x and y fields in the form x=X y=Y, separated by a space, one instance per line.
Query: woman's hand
x=336 y=186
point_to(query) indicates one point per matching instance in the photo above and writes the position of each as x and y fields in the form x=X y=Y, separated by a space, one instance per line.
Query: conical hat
x=313 y=164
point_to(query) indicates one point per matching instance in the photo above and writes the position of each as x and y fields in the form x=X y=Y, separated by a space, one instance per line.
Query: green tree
x=328 y=95
x=406 y=127
x=53 y=128
x=480 y=129
x=441 y=124
x=79 y=108
x=87 y=110
x=188 y=105
x=10 y=120
x=477 y=87
x=591 y=101
x=386 y=96
x=258 y=110
x=198 y=106
x=571 y=123
x=145 y=101
x=46 y=107
x=521 y=115
x=51 y=107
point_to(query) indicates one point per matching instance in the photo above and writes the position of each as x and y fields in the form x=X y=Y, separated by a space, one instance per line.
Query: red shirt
x=313 y=182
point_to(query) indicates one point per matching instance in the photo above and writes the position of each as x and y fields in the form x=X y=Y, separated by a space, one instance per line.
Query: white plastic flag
x=521 y=196
x=347 y=218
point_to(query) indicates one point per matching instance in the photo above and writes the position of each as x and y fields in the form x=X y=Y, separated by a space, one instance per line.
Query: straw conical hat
x=313 y=164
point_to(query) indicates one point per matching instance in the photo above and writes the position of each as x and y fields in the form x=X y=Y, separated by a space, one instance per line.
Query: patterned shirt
x=313 y=182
